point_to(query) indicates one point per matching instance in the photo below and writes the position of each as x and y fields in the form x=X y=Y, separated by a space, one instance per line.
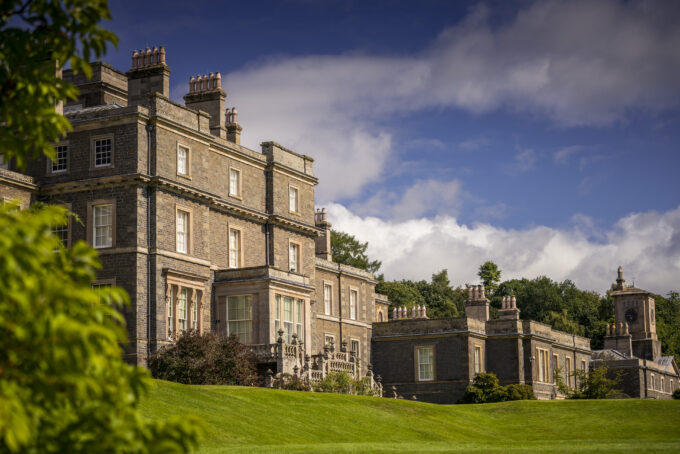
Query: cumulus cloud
x=646 y=244
x=572 y=62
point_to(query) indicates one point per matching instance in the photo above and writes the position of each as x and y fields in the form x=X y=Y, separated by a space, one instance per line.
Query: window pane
x=182 y=231
x=239 y=315
x=292 y=199
x=327 y=299
x=234 y=248
x=61 y=162
x=233 y=181
x=182 y=154
x=425 y=363
x=103 y=225
x=182 y=310
x=102 y=152
x=293 y=257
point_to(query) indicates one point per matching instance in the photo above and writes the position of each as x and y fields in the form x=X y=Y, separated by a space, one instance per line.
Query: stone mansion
x=201 y=232
x=206 y=234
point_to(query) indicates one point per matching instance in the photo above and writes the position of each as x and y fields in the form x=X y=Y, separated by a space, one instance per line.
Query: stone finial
x=626 y=331
x=620 y=331
x=607 y=330
x=280 y=339
x=425 y=311
x=343 y=345
x=504 y=302
x=295 y=370
x=394 y=313
x=294 y=341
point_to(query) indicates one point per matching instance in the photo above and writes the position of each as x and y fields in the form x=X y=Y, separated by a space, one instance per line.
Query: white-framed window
x=478 y=359
x=327 y=299
x=103 y=152
x=293 y=205
x=328 y=340
x=170 y=312
x=288 y=319
x=61 y=231
x=234 y=248
x=651 y=383
x=234 y=182
x=294 y=257
x=354 y=346
x=194 y=312
x=425 y=361
x=568 y=372
x=663 y=389
x=277 y=316
x=299 y=319
x=555 y=364
x=60 y=163
x=182 y=160
x=584 y=366
x=102 y=234
x=543 y=369
x=182 y=300
x=182 y=231
x=353 y=297
x=240 y=317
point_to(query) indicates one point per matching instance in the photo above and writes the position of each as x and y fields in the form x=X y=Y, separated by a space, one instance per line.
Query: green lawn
x=256 y=420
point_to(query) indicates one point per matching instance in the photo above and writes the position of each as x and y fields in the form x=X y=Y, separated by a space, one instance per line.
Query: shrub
x=676 y=394
x=205 y=359
x=343 y=383
x=593 y=385
x=485 y=389
x=291 y=383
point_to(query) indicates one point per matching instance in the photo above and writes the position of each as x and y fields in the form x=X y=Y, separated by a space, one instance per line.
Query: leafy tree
x=490 y=276
x=400 y=293
x=676 y=394
x=668 y=323
x=205 y=359
x=598 y=384
x=346 y=249
x=37 y=38
x=63 y=384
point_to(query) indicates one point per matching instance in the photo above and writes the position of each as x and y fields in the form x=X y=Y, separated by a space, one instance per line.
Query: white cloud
x=562 y=155
x=523 y=161
x=573 y=62
x=647 y=245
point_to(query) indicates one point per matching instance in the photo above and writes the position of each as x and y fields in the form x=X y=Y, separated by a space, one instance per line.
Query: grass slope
x=256 y=420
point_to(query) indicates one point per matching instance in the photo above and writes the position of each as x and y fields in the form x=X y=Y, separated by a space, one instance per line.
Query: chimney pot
x=234 y=115
x=156 y=58
x=161 y=53
x=218 y=80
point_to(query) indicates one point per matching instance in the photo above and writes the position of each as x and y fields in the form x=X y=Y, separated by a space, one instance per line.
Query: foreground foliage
x=63 y=384
x=205 y=359
x=486 y=388
x=346 y=249
x=257 y=420
x=36 y=39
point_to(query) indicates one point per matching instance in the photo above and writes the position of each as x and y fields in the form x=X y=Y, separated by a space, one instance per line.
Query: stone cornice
x=18 y=180
x=292 y=172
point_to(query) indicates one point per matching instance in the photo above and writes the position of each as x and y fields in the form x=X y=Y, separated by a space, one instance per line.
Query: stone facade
x=201 y=232
x=435 y=360
x=632 y=348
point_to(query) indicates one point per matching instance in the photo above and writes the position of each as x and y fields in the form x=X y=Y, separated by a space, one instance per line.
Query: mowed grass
x=256 y=420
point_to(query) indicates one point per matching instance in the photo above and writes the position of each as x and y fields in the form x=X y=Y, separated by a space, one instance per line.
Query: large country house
x=206 y=234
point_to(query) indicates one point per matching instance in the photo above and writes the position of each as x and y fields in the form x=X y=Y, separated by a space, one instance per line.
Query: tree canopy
x=63 y=384
x=490 y=275
x=346 y=249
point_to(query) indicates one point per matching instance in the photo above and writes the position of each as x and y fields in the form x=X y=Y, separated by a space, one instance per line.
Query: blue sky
x=542 y=135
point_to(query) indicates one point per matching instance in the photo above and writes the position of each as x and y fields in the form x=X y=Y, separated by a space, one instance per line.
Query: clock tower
x=635 y=322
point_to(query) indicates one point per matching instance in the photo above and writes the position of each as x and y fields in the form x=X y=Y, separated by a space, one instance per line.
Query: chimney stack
x=233 y=128
x=206 y=94
x=477 y=305
x=149 y=74
x=323 y=242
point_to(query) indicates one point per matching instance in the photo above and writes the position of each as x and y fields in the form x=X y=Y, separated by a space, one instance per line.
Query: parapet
x=276 y=153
